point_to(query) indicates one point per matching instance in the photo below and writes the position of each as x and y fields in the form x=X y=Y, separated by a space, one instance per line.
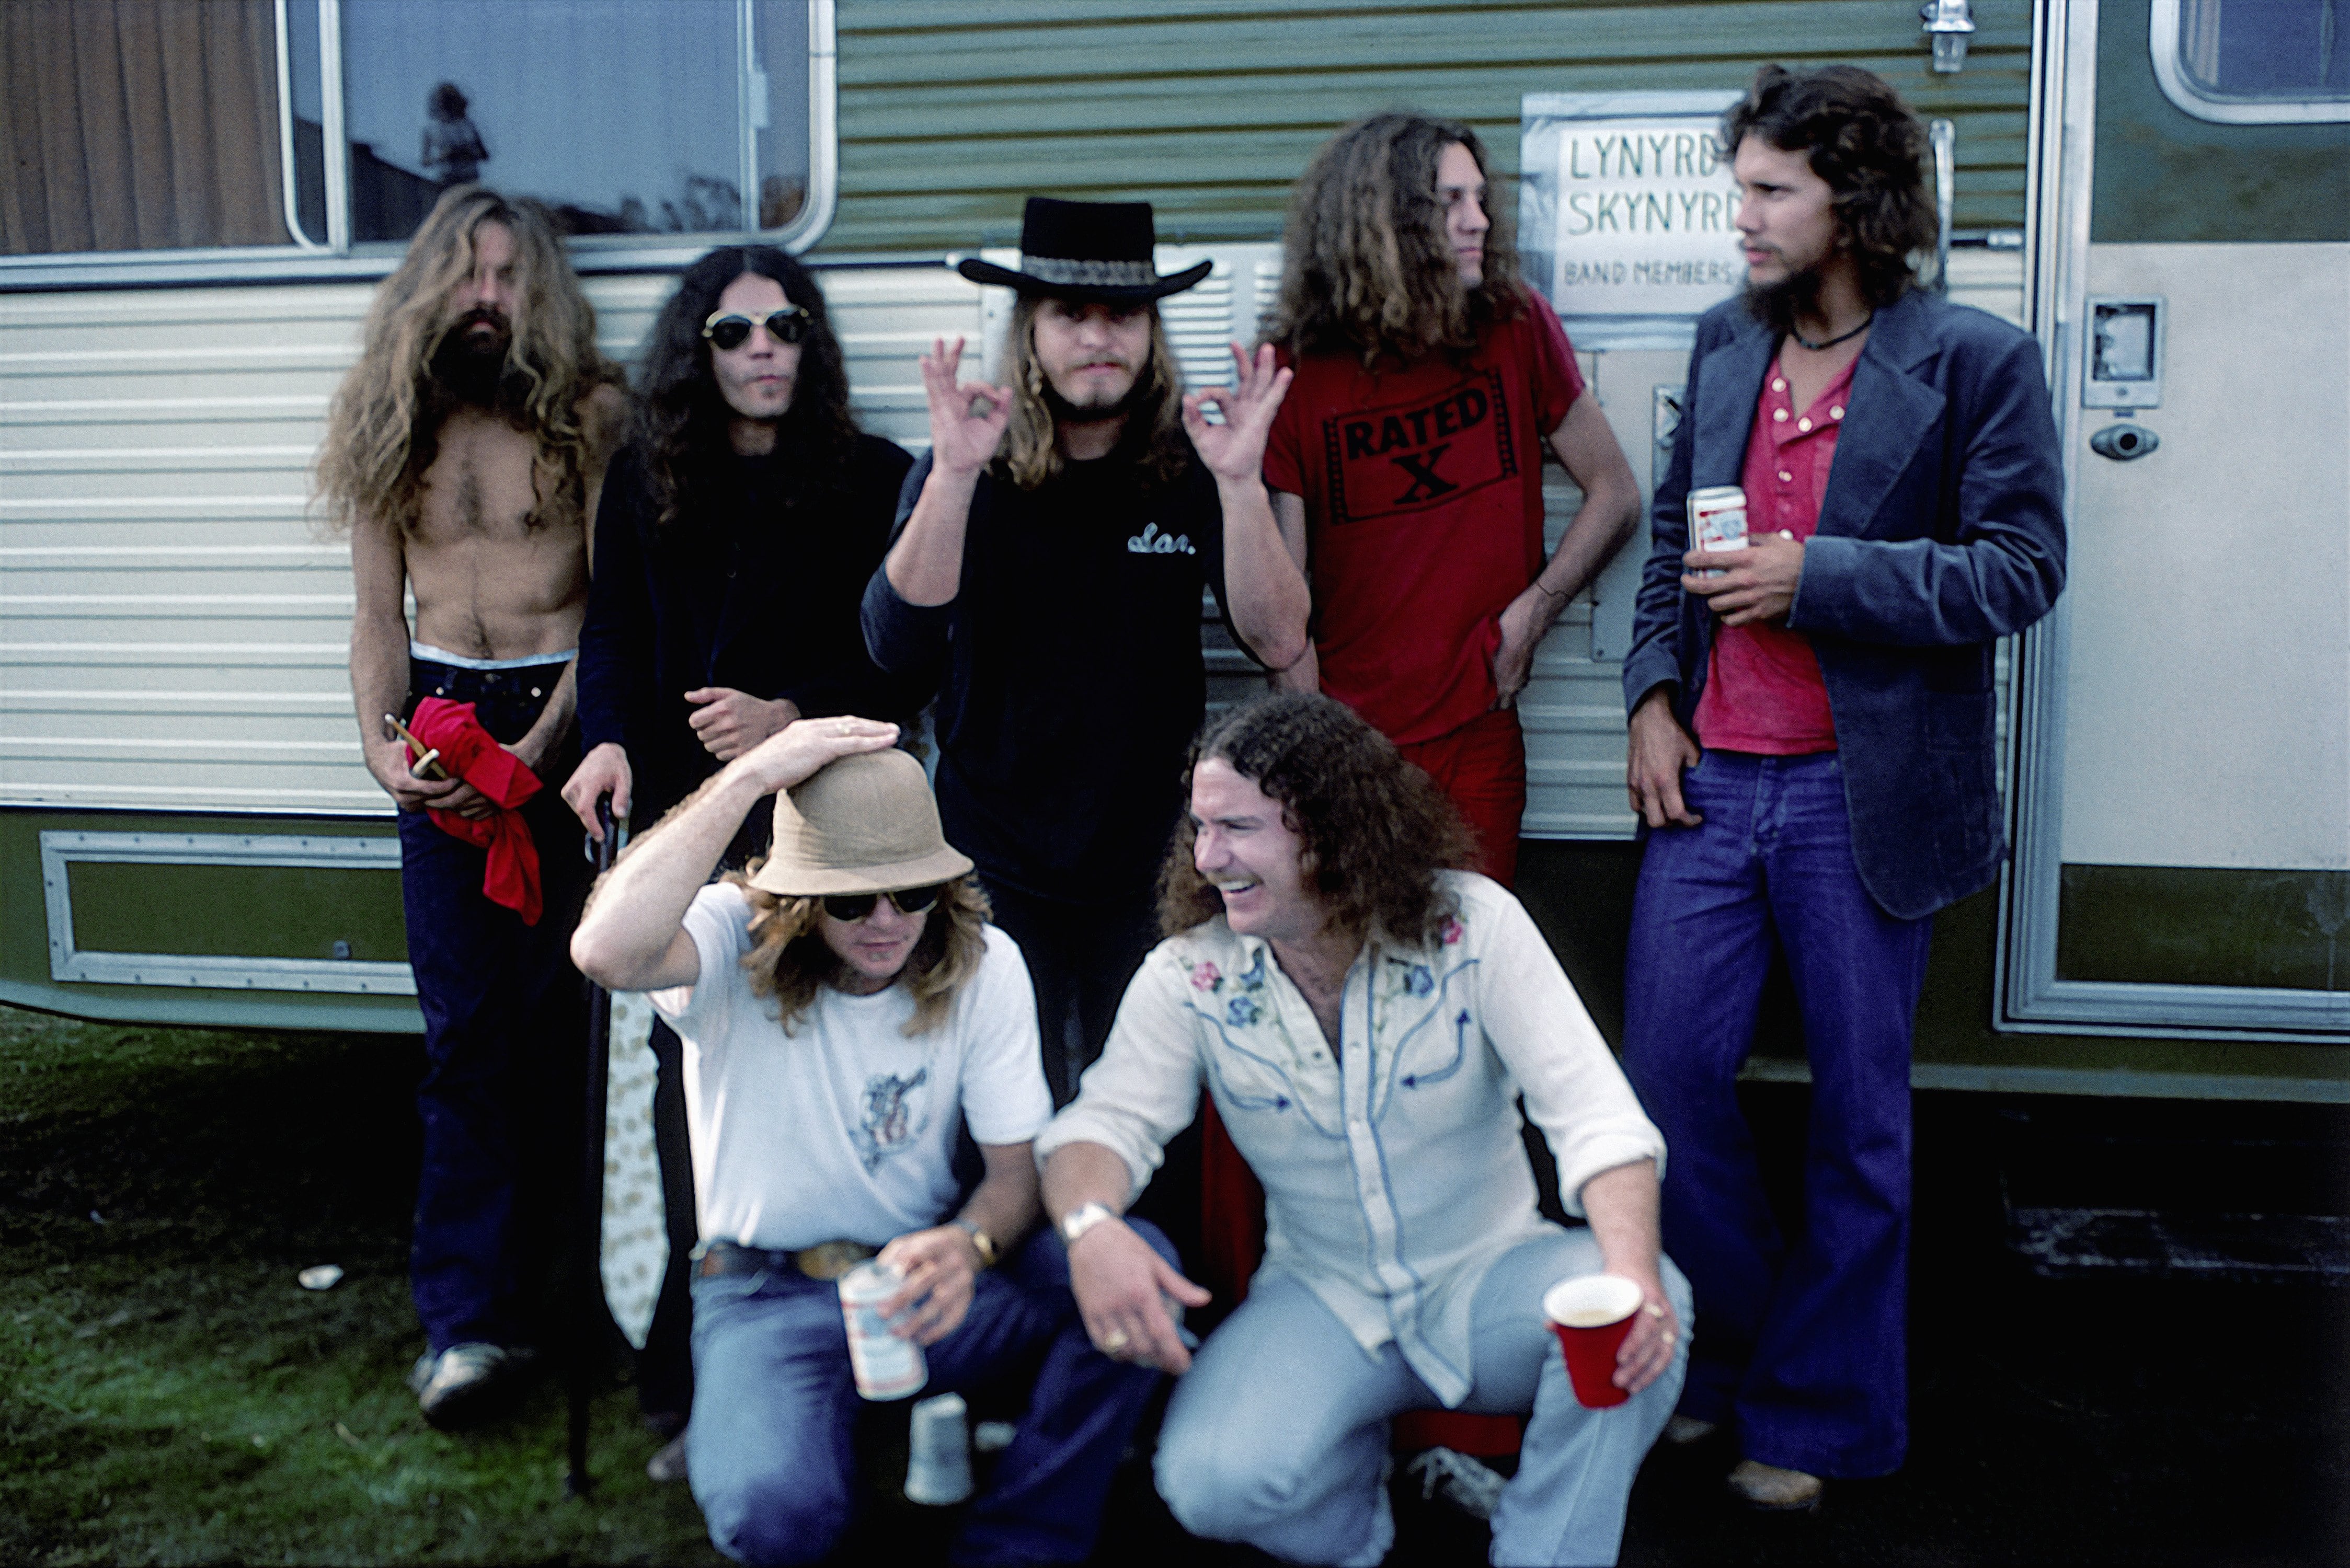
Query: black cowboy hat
x=1087 y=251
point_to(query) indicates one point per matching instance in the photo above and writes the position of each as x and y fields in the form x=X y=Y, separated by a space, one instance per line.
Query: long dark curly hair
x=683 y=438
x=1376 y=830
x=1867 y=144
x=1369 y=270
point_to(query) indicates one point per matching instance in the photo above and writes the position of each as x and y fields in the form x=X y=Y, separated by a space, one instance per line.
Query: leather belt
x=825 y=1261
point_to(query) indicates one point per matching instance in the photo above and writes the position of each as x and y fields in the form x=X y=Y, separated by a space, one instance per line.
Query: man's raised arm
x=633 y=936
x=924 y=567
x=1264 y=586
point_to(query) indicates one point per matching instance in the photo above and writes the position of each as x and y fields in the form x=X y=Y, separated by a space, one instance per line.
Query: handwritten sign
x=1625 y=212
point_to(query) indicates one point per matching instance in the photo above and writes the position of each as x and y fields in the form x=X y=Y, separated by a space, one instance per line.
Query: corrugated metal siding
x=952 y=112
x=173 y=632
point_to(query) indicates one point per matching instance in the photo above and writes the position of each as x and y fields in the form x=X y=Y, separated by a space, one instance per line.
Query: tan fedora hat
x=862 y=824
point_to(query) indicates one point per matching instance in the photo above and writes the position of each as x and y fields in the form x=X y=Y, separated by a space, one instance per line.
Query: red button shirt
x=1762 y=690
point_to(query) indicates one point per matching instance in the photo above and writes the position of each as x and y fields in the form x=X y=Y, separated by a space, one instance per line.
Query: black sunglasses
x=731 y=330
x=850 y=907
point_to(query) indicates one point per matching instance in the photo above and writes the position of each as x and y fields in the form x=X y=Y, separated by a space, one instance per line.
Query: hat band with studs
x=1088 y=274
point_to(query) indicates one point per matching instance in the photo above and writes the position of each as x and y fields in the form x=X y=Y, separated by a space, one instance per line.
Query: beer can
x=1717 y=519
x=885 y=1367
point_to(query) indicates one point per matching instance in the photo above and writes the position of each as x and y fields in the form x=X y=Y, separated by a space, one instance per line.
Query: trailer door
x=2182 y=808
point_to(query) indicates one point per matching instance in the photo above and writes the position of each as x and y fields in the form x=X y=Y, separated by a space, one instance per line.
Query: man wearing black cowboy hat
x=1047 y=567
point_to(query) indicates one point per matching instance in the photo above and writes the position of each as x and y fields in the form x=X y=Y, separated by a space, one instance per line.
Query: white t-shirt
x=844 y=1129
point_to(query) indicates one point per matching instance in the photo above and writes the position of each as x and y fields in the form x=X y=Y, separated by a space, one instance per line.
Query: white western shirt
x=1393 y=1172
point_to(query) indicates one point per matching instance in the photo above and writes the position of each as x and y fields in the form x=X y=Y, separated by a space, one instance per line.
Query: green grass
x=169 y=1394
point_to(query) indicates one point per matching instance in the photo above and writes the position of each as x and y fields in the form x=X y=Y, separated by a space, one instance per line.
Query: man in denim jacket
x=1364 y=1019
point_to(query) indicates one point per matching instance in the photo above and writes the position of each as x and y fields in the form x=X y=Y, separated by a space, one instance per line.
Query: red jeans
x=1481 y=769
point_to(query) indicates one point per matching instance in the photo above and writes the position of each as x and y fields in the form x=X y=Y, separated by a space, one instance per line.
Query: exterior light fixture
x=1947 y=23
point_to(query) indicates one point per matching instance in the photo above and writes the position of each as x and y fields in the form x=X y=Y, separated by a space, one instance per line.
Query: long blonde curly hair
x=381 y=427
x=1368 y=268
x=1154 y=426
x=789 y=962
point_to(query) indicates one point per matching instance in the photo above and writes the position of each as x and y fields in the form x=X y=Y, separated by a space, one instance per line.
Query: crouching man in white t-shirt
x=844 y=1008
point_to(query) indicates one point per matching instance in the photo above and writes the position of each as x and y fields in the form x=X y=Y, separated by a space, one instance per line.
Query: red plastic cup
x=1591 y=1313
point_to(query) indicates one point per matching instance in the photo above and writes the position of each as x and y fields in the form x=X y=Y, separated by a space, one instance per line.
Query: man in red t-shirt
x=1406 y=463
x=1406 y=473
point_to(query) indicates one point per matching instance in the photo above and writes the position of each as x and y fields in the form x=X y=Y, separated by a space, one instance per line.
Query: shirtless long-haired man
x=464 y=455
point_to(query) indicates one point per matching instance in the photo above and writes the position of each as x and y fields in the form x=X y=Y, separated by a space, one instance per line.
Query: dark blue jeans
x=506 y=1025
x=1801 y=1341
x=769 y=1452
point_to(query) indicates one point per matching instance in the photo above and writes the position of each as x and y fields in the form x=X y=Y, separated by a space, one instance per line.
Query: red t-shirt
x=1762 y=690
x=1424 y=513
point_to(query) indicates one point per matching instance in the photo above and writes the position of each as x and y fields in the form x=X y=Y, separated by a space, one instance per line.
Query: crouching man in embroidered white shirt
x=1364 y=1017
x=845 y=1007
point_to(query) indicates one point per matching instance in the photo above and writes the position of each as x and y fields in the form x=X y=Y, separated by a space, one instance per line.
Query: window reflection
x=2266 y=48
x=625 y=117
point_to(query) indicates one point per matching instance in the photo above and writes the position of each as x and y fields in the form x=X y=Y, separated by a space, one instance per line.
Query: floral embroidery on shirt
x=1452 y=932
x=1207 y=977
x=1419 y=982
x=1242 y=1011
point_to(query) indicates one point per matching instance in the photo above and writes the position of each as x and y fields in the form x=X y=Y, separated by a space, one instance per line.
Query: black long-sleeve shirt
x=1073 y=679
x=755 y=588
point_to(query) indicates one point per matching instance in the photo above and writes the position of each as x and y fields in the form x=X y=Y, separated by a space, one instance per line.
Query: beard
x=469 y=366
x=1778 y=305
x=1066 y=412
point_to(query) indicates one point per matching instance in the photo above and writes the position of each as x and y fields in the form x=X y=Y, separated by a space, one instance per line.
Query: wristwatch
x=979 y=1239
x=1082 y=1218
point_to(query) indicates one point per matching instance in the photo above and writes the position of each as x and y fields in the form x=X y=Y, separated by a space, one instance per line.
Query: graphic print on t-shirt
x=889 y=1126
x=1407 y=457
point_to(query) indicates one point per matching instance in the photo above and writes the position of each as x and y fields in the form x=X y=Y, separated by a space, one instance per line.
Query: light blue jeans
x=1276 y=1436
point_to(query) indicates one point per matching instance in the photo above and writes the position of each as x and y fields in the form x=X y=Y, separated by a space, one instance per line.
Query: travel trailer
x=2160 y=191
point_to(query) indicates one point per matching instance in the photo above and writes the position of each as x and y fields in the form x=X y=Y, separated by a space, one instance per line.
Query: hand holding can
x=885 y=1367
x=1717 y=520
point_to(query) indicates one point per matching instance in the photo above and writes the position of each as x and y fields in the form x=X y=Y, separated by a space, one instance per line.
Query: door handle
x=2122 y=441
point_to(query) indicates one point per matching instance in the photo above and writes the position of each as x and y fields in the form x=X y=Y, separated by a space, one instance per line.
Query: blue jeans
x=769 y=1454
x=505 y=1024
x=1278 y=1434
x=1803 y=1343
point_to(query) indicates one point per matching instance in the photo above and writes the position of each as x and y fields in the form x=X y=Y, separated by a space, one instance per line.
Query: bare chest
x=481 y=485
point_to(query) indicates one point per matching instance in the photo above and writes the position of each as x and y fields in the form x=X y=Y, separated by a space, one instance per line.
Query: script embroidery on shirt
x=1151 y=542
x=888 y=1127
x=1409 y=456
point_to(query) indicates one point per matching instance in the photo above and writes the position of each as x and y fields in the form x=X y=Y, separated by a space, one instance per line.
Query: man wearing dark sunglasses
x=737 y=532
x=845 y=1010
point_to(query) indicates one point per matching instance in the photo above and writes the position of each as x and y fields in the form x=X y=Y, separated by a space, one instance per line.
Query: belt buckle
x=830 y=1259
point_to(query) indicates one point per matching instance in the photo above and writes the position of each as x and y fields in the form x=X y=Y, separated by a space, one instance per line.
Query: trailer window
x=139 y=128
x=2254 y=61
x=625 y=117
x=271 y=138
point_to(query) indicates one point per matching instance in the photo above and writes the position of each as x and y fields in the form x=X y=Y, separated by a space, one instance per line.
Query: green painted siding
x=953 y=111
x=2164 y=175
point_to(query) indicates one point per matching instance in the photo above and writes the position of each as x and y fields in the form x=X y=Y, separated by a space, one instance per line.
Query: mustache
x=480 y=316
